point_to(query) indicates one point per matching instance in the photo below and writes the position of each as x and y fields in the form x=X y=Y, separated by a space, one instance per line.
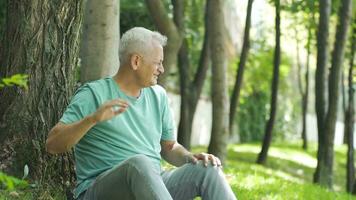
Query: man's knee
x=141 y=162
x=208 y=172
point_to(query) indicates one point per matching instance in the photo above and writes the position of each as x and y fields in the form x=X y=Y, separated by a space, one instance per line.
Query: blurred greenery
x=11 y=183
x=17 y=79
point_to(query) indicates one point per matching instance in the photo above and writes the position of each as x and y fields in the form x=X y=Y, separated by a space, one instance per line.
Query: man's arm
x=177 y=155
x=63 y=137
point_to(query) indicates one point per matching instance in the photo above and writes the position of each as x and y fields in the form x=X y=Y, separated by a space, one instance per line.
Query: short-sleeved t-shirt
x=138 y=130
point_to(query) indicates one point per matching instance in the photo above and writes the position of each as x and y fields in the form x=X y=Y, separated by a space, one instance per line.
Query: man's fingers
x=206 y=160
x=117 y=102
x=213 y=160
x=120 y=110
x=218 y=161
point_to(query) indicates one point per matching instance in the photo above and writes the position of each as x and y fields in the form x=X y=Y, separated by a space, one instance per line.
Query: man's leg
x=192 y=180
x=135 y=178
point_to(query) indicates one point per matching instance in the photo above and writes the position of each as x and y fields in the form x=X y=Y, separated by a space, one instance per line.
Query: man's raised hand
x=109 y=110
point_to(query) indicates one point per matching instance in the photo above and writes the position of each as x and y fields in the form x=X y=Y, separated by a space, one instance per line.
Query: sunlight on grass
x=286 y=175
x=286 y=154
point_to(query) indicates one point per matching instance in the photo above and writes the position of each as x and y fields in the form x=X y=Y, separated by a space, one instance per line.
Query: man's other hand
x=206 y=158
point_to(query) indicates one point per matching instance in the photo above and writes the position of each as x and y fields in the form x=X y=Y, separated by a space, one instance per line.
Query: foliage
x=17 y=79
x=134 y=13
x=11 y=183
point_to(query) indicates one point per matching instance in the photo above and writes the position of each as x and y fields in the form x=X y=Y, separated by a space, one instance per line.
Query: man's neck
x=127 y=84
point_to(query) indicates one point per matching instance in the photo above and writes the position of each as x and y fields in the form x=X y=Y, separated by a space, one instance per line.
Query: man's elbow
x=49 y=147
x=52 y=145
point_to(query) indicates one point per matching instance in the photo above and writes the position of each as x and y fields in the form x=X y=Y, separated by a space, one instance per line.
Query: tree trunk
x=350 y=119
x=41 y=40
x=320 y=77
x=167 y=27
x=219 y=133
x=190 y=90
x=262 y=157
x=343 y=98
x=100 y=41
x=303 y=90
x=306 y=94
x=239 y=76
x=326 y=165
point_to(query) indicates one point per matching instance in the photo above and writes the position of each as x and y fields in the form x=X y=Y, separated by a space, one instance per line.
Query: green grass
x=287 y=175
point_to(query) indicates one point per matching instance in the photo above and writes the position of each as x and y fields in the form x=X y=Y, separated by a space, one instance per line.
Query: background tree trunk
x=239 y=75
x=303 y=90
x=326 y=165
x=190 y=90
x=167 y=27
x=219 y=133
x=320 y=77
x=350 y=118
x=306 y=95
x=42 y=40
x=262 y=157
x=99 y=50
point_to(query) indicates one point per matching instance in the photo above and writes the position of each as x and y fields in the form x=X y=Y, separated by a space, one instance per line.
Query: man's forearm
x=177 y=155
x=64 y=136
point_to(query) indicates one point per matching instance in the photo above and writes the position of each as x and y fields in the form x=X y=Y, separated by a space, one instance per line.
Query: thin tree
x=320 y=76
x=100 y=40
x=262 y=156
x=41 y=40
x=220 y=126
x=326 y=163
x=303 y=90
x=190 y=90
x=350 y=118
x=241 y=67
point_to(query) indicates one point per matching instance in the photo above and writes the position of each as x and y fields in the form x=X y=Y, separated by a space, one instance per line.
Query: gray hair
x=138 y=40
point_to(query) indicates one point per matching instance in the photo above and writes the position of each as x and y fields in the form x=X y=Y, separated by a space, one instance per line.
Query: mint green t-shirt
x=136 y=131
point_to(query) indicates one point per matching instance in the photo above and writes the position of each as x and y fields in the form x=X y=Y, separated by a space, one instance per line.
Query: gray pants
x=139 y=178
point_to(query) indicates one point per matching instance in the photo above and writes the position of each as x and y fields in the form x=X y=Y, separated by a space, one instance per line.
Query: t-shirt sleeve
x=81 y=105
x=167 y=121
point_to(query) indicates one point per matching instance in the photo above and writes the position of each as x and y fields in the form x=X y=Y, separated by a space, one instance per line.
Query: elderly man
x=121 y=126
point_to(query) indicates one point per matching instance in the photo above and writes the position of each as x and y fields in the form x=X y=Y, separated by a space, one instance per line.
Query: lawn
x=287 y=175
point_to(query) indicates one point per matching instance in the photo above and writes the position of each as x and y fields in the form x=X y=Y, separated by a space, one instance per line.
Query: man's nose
x=161 y=69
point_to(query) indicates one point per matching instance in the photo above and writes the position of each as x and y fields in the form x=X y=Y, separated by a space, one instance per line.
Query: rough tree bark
x=220 y=126
x=99 y=50
x=41 y=39
x=262 y=156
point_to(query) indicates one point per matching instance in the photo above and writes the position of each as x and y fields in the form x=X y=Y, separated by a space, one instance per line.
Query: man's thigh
x=135 y=178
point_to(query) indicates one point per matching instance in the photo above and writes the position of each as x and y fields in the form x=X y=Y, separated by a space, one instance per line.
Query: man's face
x=151 y=66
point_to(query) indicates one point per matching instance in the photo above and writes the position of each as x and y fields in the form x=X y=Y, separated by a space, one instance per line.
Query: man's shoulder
x=100 y=83
x=158 y=89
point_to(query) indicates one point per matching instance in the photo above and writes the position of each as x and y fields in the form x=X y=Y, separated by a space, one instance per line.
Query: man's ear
x=135 y=61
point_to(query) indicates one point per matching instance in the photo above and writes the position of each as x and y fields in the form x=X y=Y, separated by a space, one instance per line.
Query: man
x=121 y=126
